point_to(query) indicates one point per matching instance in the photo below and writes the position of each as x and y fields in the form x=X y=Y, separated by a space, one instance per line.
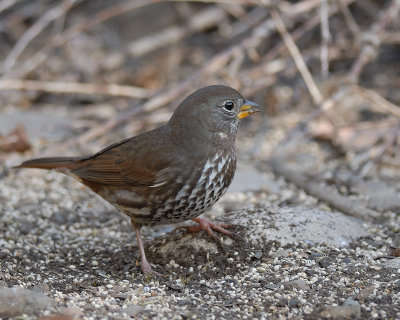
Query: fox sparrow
x=170 y=174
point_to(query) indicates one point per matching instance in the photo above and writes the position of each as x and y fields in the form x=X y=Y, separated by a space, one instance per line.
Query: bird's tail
x=50 y=163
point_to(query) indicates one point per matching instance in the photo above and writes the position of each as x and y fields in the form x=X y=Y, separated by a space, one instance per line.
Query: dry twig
x=377 y=99
x=102 y=16
x=6 y=4
x=385 y=17
x=204 y=19
x=296 y=55
x=51 y=15
x=325 y=36
x=74 y=87
x=280 y=48
x=372 y=39
x=350 y=21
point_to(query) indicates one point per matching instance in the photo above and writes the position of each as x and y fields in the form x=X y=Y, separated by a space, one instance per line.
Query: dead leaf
x=394 y=251
x=353 y=137
x=17 y=140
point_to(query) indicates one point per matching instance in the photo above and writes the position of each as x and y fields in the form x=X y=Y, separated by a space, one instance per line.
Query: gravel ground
x=76 y=256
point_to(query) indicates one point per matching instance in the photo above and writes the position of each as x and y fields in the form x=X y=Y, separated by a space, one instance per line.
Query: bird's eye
x=229 y=106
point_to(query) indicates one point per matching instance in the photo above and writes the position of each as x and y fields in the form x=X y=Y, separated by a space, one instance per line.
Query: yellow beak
x=247 y=109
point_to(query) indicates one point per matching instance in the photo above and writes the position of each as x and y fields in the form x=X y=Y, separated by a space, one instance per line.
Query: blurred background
x=77 y=75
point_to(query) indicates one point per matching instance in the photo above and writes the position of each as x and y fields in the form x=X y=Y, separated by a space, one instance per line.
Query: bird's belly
x=182 y=199
x=199 y=192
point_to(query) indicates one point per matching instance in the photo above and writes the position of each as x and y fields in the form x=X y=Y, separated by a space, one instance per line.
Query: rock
x=315 y=255
x=365 y=293
x=299 y=284
x=293 y=225
x=118 y=295
x=309 y=272
x=283 y=302
x=3 y=284
x=293 y=303
x=392 y=264
x=4 y=254
x=271 y=286
x=66 y=314
x=351 y=309
x=268 y=302
x=58 y=317
x=184 y=302
x=174 y=286
x=257 y=255
x=281 y=253
x=351 y=302
x=18 y=301
x=44 y=287
x=132 y=311
x=324 y=262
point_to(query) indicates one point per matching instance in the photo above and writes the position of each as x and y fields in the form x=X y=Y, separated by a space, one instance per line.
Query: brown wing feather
x=127 y=162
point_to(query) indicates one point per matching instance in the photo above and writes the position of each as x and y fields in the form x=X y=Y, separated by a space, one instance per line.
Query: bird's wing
x=128 y=162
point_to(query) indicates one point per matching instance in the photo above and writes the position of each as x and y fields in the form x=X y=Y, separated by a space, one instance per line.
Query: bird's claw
x=209 y=226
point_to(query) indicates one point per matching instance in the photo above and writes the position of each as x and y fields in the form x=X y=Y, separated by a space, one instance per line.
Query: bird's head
x=212 y=112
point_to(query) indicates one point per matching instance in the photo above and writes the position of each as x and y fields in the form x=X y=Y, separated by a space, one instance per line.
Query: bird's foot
x=209 y=226
x=148 y=271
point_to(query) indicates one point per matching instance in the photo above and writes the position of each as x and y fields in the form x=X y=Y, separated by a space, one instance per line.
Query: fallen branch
x=321 y=191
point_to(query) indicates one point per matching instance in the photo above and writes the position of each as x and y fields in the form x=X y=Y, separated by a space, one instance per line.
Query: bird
x=169 y=174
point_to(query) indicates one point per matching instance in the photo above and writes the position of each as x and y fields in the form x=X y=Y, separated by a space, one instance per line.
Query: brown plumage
x=169 y=174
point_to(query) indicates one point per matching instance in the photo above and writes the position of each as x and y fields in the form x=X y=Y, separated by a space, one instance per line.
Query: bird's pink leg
x=145 y=265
